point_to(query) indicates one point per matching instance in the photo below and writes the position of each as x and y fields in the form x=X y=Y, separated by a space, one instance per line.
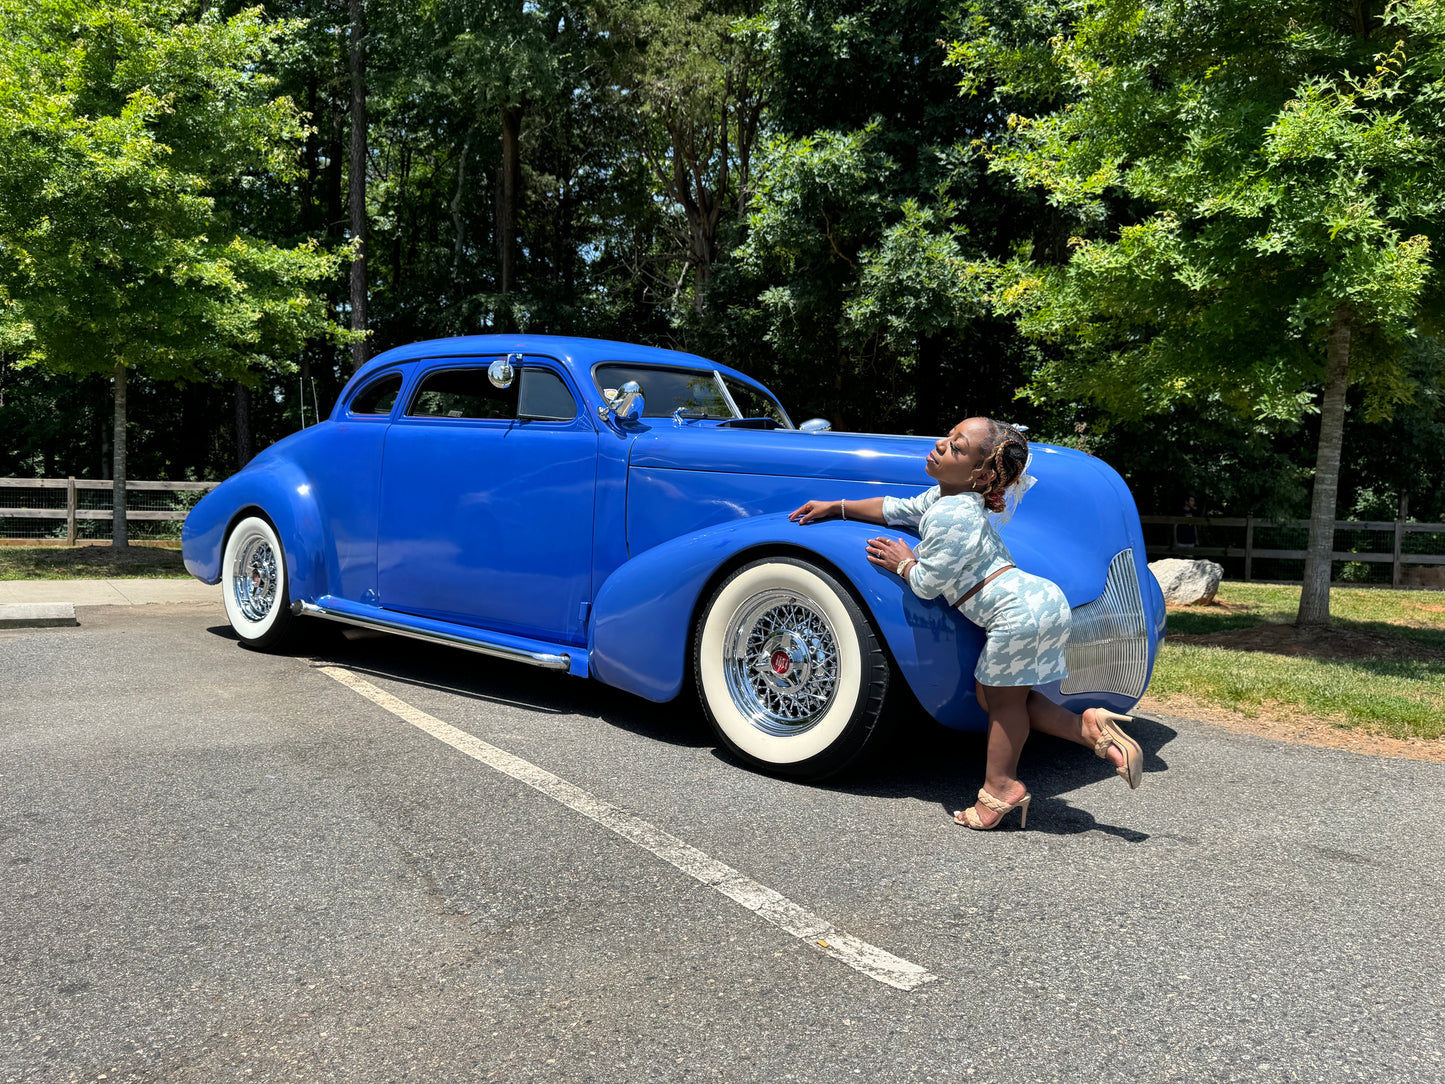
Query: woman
x=961 y=556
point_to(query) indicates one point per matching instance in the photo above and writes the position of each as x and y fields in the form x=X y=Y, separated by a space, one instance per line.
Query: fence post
x=1399 y=536
x=1248 y=547
x=70 y=511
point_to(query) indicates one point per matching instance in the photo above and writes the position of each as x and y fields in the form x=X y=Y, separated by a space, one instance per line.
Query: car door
x=487 y=500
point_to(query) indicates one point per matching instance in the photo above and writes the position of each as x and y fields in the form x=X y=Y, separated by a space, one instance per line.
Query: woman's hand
x=815 y=511
x=887 y=552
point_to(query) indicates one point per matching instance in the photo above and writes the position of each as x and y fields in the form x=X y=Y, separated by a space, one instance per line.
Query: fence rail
x=73 y=515
x=1398 y=556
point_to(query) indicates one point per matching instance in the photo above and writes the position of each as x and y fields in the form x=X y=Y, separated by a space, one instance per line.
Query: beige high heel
x=970 y=818
x=1132 y=770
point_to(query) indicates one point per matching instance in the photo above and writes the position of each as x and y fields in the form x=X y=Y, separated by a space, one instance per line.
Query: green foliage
x=864 y=263
x=1236 y=174
x=120 y=125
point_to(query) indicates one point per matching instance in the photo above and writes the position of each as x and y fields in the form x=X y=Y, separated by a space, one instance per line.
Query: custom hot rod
x=620 y=512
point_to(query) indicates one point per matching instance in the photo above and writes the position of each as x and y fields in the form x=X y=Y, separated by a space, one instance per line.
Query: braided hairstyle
x=1006 y=458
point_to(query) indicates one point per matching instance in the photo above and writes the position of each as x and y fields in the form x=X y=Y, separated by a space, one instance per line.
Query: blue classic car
x=620 y=512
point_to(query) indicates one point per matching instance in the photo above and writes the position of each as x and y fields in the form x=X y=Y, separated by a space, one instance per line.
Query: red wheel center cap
x=780 y=662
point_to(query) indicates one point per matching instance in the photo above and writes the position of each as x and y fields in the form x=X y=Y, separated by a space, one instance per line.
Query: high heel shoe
x=969 y=817
x=1132 y=770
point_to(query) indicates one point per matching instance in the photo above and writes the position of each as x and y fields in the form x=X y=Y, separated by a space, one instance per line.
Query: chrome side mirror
x=816 y=425
x=501 y=372
x=626 y=406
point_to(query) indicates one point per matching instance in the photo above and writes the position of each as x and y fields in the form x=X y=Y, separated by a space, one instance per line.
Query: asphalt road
x=217 y=864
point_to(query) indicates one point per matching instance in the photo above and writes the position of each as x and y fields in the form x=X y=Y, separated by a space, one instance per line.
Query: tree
x=871 y=208
x=119 y=125
x=697 y=73
x=1254 y=190
x=356 y=182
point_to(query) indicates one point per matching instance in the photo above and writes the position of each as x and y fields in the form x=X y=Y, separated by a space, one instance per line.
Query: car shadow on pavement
x=931 y=763
x=924 y=761
x=497 y=681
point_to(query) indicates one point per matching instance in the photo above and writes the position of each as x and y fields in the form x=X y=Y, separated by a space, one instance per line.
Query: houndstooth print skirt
x=1027 y=621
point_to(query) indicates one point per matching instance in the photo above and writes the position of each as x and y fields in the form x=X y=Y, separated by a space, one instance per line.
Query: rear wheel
x=253 y=584
x=790 y=673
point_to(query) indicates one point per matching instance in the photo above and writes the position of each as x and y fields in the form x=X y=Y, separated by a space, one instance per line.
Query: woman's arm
x=868 y=511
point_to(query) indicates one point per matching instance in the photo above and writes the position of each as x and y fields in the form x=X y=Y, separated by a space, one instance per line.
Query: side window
x=463 y=393
x=544 y=397
x=378 y=397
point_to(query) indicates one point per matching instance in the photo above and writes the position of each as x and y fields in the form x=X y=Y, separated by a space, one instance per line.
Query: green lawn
x=90 y=562
x=1380 y=667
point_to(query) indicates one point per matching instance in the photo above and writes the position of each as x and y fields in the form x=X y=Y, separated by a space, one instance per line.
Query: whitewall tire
x=790 y=674
x=253 y=583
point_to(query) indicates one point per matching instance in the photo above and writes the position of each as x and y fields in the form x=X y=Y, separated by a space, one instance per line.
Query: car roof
x=578 y=354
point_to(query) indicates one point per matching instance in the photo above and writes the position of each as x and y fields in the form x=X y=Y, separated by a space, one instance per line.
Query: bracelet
x=843 y=507
x=904 y=564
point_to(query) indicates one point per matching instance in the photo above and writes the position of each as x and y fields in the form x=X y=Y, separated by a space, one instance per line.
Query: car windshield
x=753 y=403
x=699 y=393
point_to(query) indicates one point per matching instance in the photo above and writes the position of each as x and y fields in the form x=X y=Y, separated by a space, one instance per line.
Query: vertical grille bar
x=1108 y=649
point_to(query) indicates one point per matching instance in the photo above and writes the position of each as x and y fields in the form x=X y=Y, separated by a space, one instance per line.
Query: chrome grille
x=1108 y=647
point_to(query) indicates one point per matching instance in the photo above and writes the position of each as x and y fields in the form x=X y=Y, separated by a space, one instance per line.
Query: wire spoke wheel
x=253 y=583
x=253 y=579
x=782 y=662
x=790 y=673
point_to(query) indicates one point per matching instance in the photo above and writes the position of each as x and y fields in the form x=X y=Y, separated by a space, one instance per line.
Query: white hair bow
x=1013 y=496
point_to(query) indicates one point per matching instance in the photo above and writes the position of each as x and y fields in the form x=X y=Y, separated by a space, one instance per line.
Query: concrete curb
x=29 y=603
x=37 y=615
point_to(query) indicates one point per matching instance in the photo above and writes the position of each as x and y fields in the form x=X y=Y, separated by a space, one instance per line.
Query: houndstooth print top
x=959 y=545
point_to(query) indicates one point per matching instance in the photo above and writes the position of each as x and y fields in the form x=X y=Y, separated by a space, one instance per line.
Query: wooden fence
x=1398 y=556
x=72 y=513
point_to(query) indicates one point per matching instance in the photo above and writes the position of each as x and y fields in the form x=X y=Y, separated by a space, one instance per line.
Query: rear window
x=378 y=397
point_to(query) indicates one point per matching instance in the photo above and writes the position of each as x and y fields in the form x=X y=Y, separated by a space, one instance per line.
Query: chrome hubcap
x=781 y=661
x=253 y=580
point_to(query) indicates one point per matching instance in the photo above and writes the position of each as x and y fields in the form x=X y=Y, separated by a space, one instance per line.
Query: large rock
x=1187 y=583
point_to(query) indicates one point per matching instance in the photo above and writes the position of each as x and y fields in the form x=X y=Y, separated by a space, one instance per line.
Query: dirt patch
x=1316 y=643
x=1281 y=723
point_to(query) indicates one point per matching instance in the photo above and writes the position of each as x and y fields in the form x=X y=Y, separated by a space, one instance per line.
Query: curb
x=37 y=615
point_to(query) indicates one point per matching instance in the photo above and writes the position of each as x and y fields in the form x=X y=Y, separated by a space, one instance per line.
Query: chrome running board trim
x=466 y=641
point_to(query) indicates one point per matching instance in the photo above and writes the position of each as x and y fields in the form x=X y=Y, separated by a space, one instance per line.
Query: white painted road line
x=776 y=908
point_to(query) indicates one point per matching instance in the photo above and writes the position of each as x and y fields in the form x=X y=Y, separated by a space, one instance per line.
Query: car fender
x=276 y=488
x=644 y=612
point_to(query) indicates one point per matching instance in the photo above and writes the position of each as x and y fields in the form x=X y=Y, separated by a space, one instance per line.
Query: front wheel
x=253 y=584
x=790 y=673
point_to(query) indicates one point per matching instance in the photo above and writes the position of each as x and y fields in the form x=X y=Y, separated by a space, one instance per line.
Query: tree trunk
x=357 y=180
x=244 y=448
x=1314 y=600
x=459 y=222
x=509 y=185
x=311 y=162
x=928 y=387
x=118 y=534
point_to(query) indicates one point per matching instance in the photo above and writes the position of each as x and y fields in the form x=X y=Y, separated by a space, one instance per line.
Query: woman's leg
x=1008 y=729
x=1050 y=718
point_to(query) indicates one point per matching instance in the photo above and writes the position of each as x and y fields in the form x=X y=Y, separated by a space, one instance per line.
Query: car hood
x=864 y=457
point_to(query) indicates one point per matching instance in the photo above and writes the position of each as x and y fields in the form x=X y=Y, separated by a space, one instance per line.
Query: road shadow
x=924 y=761
x=932 y=763
x=477 y=677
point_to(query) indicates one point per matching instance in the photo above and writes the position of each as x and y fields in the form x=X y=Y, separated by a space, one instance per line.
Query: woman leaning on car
x=981 y=468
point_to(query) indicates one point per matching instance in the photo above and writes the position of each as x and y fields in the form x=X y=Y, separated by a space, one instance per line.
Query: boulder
x=1187 y=583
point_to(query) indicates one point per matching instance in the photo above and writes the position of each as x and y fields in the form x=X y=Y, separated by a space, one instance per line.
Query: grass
x=91 y=562
x=1379 y=668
